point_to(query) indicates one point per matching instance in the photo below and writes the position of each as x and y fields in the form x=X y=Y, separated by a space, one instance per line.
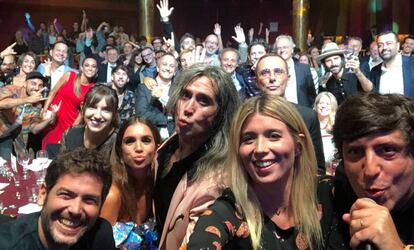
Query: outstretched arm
x=217 y=32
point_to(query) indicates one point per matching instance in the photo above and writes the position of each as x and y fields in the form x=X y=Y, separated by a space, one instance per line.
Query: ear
x=298 y=147
x=42 y=195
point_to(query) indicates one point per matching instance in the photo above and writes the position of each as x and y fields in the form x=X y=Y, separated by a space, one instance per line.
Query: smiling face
x=59 y=53
x=211 y=44
x=267 y=150
x=229 y=61
x=89 y=68
x=28 y=64
x=272 y=75
x=380 y=167
x=138 y=147
x=33 y=86
x=196 y=110
x=284 y=48
x=256 y=52
x=324 y=107
x=388 y=46
x=98 y=117
x=166 y=67
x=334 y=64
x=70 y=208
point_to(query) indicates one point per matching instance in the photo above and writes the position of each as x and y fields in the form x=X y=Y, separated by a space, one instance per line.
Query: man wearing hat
x=340 y=82
x=20 y=109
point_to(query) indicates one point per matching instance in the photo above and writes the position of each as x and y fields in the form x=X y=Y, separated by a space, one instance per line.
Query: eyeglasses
x=266 y=72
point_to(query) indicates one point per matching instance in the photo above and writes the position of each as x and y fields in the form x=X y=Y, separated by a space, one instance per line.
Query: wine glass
x=42 y=156
x=23 y=159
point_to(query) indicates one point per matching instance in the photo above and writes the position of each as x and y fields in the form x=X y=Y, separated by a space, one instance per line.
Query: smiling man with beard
x=75 y=187
x=342 y=83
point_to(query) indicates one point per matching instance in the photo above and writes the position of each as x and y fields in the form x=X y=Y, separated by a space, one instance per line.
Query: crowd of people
x=200 y=144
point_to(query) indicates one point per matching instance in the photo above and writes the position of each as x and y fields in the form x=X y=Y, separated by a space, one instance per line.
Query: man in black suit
x=300 y=88
x=105 y=68
x=272 y=77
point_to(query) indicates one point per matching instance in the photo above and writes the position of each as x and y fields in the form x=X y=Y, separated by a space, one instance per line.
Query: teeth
x=69 y=223
x=263 y=164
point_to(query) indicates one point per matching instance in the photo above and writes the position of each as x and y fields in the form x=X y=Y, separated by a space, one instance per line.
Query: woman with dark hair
x=98 y=127
x=27 y=63
x=128 y=205
x=134 y=67
x=68 y=93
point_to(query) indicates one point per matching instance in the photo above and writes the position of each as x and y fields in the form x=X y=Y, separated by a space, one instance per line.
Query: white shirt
x=56 y=75
x=236 y=82
x=392 y=81
x=291 y=92
x=110 y=66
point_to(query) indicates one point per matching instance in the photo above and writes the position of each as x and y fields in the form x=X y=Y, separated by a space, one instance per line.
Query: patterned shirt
x=127 y=108
x=30 y=113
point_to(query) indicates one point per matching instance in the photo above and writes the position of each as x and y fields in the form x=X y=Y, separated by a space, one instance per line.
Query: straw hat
x=330 y=49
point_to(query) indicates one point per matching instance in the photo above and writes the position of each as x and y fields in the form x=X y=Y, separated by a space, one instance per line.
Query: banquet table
x=12 y=198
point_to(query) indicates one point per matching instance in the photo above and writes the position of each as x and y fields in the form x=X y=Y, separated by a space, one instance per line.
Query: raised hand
x=170 y=43
x=217 y=29
x=251 y=34
x=240 y=37
x=165 y=12
x=8 y=51
x=48 y=66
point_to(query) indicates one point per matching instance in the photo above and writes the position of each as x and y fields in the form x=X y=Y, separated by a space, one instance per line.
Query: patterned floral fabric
x=223 y=226
x=127 y=108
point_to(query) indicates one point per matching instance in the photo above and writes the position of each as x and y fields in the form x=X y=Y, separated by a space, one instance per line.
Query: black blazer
x=305 y=87
x=312 y=123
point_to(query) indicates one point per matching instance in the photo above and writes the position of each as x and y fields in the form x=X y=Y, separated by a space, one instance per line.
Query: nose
x=272 y=76
x=75 y=207
x=189 y=107
x=261 y=146
x=138 y=146
x=371 y=166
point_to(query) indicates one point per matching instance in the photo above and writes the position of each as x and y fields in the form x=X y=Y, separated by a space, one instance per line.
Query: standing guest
x=20 y=109
x=355 y=44
x=126 y=97
x=153 y=96
x=272 y=77
x=58 y=54
x=394 y=74
x=149 y=69
x=156 y=43
x=26 y=63
x=342 y=83
x=73 y=193
x=21 y=46
x=271 y=203
x=301 y=89
x=229 y=60
x=128 y=49
x=134 y=67
x=326 y=106
x=69 y=93
x=407 y=48
x=189 y=163
x=105 y=68
x=7 y=69
x=128 y=204
x=307 y=59
x=372 y=60
x=373 y=194
x=99 y=122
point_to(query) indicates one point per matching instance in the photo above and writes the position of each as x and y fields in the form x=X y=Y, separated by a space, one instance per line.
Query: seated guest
x=189 y=164
x=128 y=206
x=134 y=70
x=69 y=93
x=326 y=106
x=126 y=98
x=75 y=187
x=99 y=124
x=20 y=109
x=271 y=202
x=153 y=95
x=373 y=195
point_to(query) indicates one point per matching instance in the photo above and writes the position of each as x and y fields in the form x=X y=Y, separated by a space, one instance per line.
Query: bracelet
x=408 y=247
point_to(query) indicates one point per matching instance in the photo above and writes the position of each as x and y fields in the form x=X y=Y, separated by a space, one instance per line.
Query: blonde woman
x=326 y=106
x=271 y=202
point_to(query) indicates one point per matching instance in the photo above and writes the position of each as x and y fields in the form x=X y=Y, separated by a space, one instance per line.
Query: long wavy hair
x=227 y=103
x=303 y=201
x=120 y=176
x=77 y=85
x=334 y=108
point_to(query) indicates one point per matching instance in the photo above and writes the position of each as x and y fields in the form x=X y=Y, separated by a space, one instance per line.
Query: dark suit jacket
x=312 y=123
x=304 y=85
x=102 y=72
x=408 y=76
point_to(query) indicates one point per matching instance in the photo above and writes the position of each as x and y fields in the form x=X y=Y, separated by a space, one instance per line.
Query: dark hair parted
x=227 y=103
x=365 y=114
x=95 y=95
x=29 y=53
x=119 y=170
x=79 y=161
